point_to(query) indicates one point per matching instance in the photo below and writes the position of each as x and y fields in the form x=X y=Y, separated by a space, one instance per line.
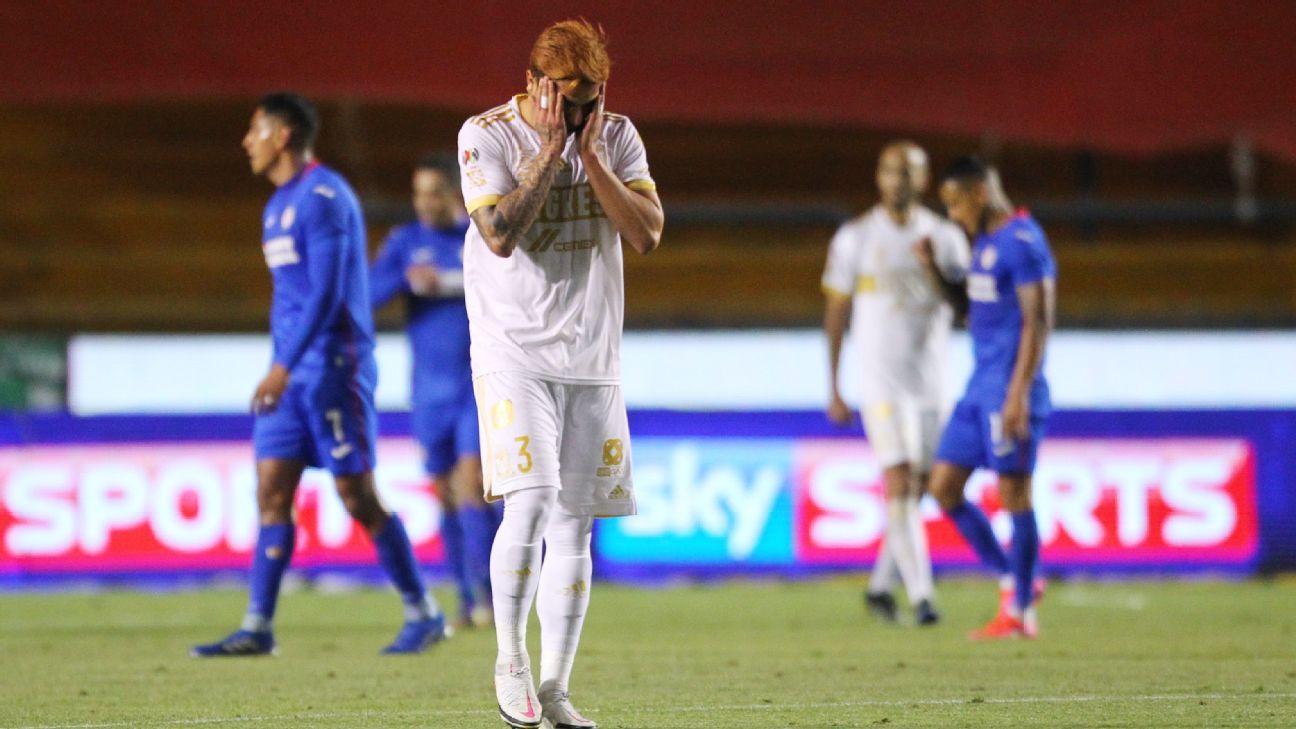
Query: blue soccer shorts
x=326 y=419
x=447 y=431
x=974 y=436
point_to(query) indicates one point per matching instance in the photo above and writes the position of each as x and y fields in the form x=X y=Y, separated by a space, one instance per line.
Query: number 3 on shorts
x=506 y=466
x=525 y=465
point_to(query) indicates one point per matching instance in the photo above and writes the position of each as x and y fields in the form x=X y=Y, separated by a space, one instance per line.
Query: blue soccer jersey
x=321 y=325
x=1014 y=255
x=314 y=245
x=444 y=409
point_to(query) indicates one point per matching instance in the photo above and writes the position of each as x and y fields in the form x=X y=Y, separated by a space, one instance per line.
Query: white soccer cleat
x=516 y=696
x=560 y=714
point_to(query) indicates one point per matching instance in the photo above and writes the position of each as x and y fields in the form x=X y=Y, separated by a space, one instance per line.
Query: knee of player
x=442 y=486
x=467 y=486
x=274 y=500
x=898 y=482
x=357 y=495
x=948 y=493
x=1014 y=492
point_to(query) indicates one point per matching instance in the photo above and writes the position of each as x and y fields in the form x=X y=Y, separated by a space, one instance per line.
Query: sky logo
x=706 y=501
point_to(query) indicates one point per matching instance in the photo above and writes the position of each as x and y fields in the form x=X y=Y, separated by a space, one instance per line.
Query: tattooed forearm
x=504 y=225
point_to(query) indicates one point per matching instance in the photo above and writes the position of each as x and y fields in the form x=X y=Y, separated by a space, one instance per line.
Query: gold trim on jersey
x=479 y=391
x=866 y=284
x=830 y=291
x=501 y=113
x=481 y=202
x=645 y=185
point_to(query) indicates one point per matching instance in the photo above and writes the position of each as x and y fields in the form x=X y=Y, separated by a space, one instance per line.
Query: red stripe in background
x=1069 y=72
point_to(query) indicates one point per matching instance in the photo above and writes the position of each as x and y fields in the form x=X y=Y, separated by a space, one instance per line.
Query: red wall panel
x=1136 y=76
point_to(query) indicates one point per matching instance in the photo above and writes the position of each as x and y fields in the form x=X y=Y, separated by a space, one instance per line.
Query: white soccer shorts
x=902 y=431
x=536 y=432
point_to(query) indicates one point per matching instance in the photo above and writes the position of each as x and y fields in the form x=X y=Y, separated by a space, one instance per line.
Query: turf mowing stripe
x=258 y=719
x=948 y=702
x=686 y=709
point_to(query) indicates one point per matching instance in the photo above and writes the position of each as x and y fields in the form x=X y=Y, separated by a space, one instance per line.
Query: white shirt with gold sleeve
x=899 y=324
x=554 y=308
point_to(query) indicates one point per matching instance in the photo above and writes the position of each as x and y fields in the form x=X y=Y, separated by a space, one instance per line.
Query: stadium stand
x=143 y=218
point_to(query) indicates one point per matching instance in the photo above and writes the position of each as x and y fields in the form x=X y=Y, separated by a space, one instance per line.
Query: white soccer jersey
x=899 y=322
x=554 y=308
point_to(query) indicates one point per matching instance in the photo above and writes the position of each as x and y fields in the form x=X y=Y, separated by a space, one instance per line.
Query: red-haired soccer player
x=554 y=186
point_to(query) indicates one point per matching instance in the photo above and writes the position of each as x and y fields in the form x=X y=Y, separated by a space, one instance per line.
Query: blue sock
x=452 y=538
x=1025 y=555
x=273 y=552
x=975 y=528
x=396 y=555
x=479 y=527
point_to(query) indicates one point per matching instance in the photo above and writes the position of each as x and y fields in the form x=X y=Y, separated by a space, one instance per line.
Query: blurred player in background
x=423 y=261
x=315 y=407
x=554 y=185
x=1009 y=296
x=900 y=325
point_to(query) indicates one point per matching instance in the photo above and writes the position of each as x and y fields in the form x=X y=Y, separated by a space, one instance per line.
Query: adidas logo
x=618 y=493
x=524 y=572
x=579 y=588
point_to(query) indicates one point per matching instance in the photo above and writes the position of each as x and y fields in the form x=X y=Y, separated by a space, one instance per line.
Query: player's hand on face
x=423 y=279
x=1016 y=416
x=552 y=124
x=839 y=412
x=270 y=391
x=591 y=137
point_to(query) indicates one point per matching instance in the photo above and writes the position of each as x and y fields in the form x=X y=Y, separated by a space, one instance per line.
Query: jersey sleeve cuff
x=482 y=201
x=1029 y=278
x=833 y=292
x=642 y=185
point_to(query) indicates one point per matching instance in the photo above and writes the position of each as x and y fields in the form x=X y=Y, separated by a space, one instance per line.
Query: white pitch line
x=1079 y=598
x=679 y=709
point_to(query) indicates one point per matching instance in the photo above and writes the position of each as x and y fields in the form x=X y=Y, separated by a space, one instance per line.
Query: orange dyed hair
x=572 y=49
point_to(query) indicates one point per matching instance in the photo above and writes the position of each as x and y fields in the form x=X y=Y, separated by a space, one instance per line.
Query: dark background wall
x=1154 y=139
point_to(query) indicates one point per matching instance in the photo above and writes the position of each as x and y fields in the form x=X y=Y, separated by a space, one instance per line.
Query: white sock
x=900 y=540
x=923 y=587
x=884 y=575
x=564 y=597
x=515 y=568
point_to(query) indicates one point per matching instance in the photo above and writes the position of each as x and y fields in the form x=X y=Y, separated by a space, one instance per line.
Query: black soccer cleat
x=925 y=613
x=882 y=605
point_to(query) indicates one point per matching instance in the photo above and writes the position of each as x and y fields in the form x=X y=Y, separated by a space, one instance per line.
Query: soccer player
x=876 y=285
x=315 y=407
x=423 y=261
x=554 y=185
x=1009 y=296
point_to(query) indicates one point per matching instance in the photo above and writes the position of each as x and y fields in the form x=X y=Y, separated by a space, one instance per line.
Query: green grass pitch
x=732 y=654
